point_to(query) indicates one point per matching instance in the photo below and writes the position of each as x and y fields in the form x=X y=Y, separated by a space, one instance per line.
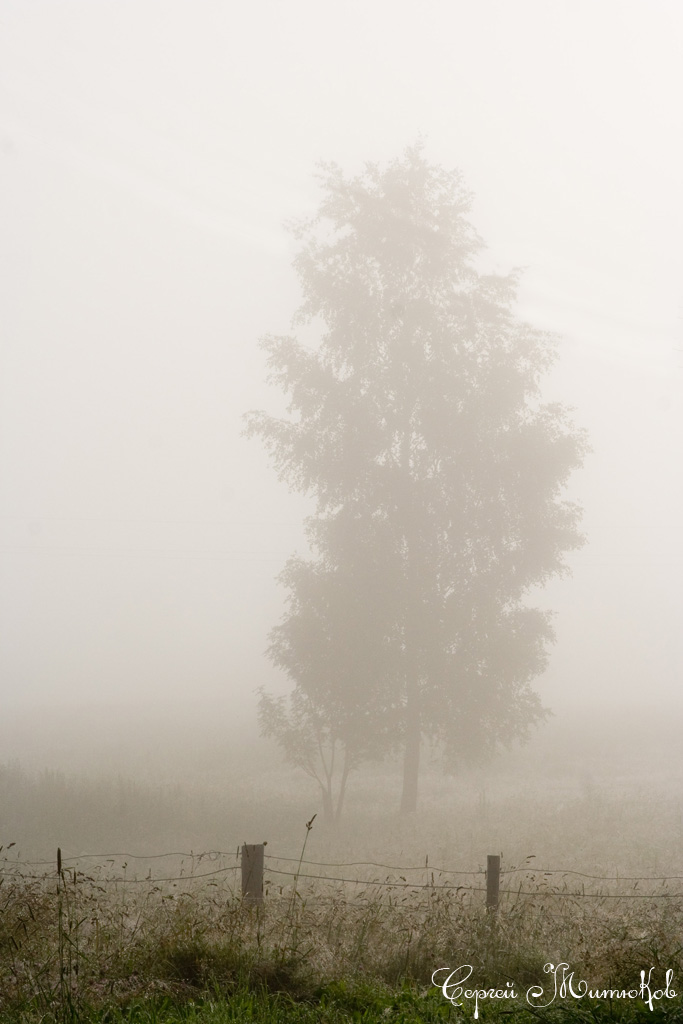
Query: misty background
x=150 y=154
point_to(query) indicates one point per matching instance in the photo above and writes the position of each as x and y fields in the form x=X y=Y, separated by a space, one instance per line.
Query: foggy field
x=603 y=796
x=340 y=441
x=607 y=802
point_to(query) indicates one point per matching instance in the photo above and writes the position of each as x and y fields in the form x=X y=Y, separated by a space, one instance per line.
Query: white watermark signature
x=457 y=988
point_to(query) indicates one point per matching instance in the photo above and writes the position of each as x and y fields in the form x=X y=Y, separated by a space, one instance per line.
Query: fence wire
x=14 y=868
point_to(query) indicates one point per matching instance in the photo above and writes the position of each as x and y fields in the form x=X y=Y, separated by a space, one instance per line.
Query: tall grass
x=76 y=938
x=76 y=941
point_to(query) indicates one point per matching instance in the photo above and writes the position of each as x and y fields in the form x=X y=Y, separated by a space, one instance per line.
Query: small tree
x=328 y=644
x=418 y=425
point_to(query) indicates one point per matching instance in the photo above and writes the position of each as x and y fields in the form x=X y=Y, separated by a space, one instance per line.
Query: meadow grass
x=86 y=947
x=109 y=940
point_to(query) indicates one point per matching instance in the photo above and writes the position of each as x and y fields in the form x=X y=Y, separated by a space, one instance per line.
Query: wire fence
x=110 y=870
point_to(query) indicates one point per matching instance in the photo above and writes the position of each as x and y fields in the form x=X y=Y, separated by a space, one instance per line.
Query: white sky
x=149 y=155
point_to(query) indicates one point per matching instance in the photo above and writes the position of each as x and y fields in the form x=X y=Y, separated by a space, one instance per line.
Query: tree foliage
x=417 y=422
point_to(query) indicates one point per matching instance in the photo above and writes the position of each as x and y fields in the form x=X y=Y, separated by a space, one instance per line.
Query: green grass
x=339 y=1006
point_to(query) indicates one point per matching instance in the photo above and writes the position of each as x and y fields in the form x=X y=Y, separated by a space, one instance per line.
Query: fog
x=150 y=156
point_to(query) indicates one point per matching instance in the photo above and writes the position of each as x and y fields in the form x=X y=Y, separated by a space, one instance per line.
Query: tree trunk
x=328 y=803
x=411 y=636
x=342 y=788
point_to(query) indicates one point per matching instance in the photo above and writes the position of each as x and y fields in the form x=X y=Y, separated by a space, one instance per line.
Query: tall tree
x=416 y=421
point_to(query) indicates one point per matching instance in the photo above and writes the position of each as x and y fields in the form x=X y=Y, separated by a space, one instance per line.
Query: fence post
x=252 y=872
x=492 y=881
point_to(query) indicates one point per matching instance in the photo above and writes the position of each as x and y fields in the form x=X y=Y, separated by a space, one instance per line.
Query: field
x=145 y=921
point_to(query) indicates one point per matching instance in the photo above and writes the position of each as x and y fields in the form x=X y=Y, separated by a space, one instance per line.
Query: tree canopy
x=416 y=421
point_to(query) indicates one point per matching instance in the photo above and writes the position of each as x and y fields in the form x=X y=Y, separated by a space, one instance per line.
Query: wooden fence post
x=492 y=881
x=252 y=872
